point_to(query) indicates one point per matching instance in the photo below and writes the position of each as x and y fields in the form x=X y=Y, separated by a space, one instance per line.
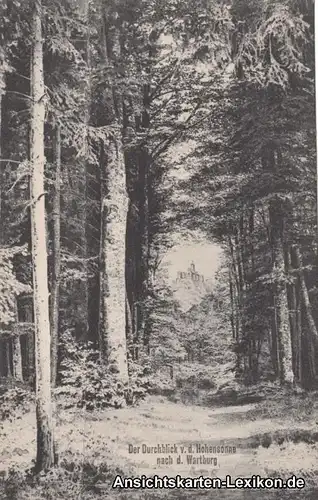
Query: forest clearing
x=158 y=245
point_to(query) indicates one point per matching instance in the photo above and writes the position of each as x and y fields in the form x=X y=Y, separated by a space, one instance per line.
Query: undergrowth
x=86 y=383
x=15 y=400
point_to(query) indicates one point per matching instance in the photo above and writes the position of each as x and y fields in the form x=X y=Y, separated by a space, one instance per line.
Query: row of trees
x=255 y=190
x=93 y=94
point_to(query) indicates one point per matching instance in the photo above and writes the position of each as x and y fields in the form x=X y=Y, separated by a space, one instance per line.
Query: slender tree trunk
x=238 y=301
x=274 y=338
x=8 y=358
x=251 y=243
x=232 y=316
x=239 y=260
x=2 y=88
x=55 y=290
x=243 y=249
x=273 y=328
x=16 y=350
x=131 y=289
x=291 y=296
x=45 y=441
x=280 y=295
x=84 y=7
x=312 y=335
x=299 y=330
x=129 y=324
x=135 y=332
x=144 y=174
x=305 y=296
x=31 y=358
x=17 y=358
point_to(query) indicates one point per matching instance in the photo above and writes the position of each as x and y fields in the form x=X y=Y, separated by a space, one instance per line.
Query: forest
x=127 y=126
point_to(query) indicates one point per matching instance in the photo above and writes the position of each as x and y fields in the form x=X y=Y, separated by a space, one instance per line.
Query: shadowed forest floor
x=266 y=446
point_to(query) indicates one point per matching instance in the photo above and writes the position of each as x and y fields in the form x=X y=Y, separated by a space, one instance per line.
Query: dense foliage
x=252 y=172
x=127 y=85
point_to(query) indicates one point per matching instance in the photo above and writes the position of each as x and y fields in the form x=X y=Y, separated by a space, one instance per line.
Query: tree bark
x=237 y=306
x=17 y=358
x=305 y=296
x=284 y=337
x=280 y=294
x=144 y=173
x=56 y=271
x=144 y=264
x=114 y=211
x=112 y=261
x=132 y=243
x=291 y=296
x=45 y=441
x=31 y=358
x=273 y=345
x=251 y=243
x=84 y=9
x=299 y=330
x=16 y=350
x=312 y=336
x=129 y=323
x=2 y=87
x=8 y=358
x=232 y=314
x=271 y=158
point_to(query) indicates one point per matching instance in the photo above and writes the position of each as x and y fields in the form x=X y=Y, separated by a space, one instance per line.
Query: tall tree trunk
x=144 y=264
x=45 y=441
x=237 y=302
x=112 y=260
x=144 y=174
x=4 y=345
x=56 y=271
x=84 y=8
x=271 y=158
x=132 y=243
x=114 y=211
x=280 y=294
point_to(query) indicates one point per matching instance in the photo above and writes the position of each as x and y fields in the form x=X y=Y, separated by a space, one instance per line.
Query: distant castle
x=191 y=273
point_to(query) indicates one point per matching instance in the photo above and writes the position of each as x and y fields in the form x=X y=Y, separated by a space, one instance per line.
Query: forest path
x=158 y=421
x=105 y=436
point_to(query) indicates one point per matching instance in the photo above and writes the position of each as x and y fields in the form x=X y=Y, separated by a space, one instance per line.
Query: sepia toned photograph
x=158 y=250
